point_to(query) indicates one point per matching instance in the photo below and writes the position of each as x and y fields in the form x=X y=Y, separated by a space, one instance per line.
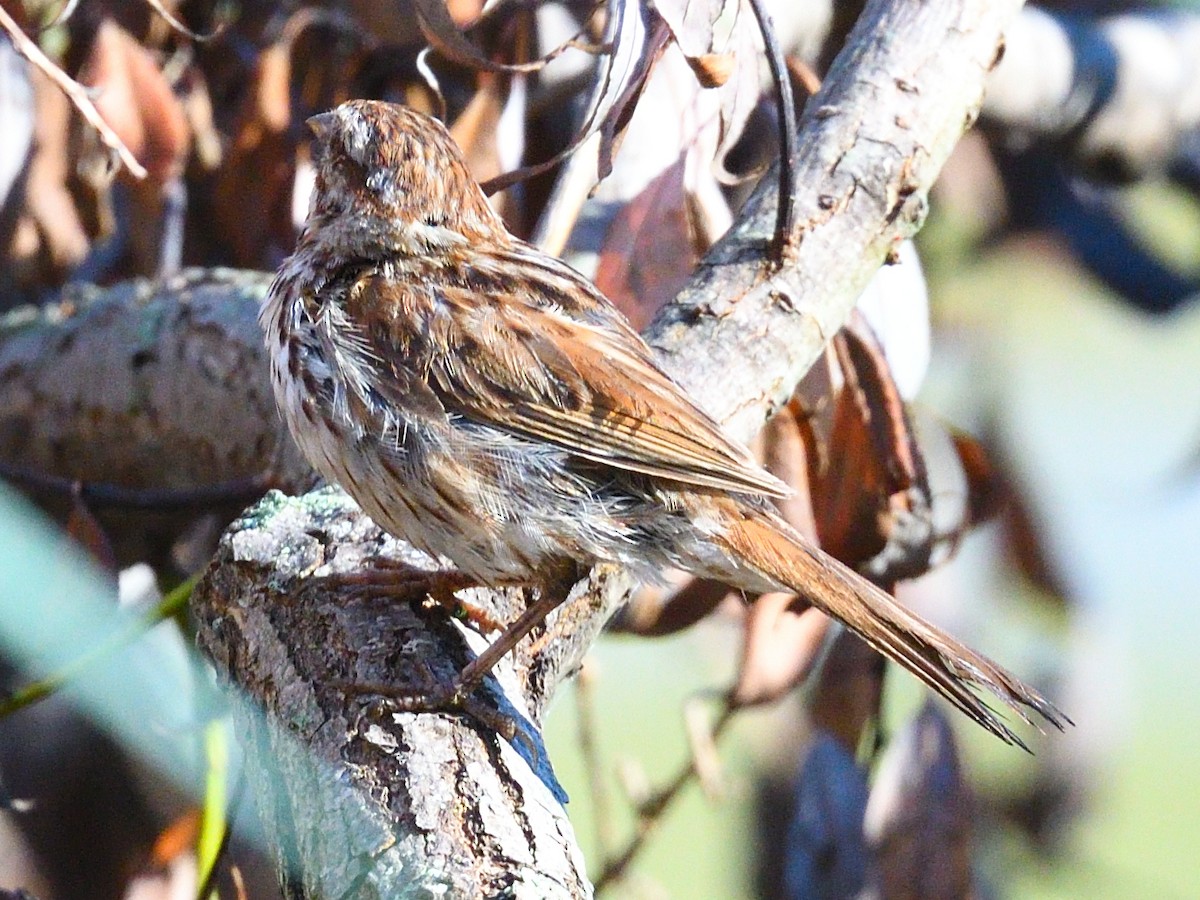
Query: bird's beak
x=321 y=124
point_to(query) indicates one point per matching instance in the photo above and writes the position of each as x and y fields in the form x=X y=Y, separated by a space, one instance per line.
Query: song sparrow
x=484 y=402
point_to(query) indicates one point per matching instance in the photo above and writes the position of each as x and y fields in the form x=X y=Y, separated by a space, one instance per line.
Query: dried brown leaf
x=309 y=69
x=635 y=37
x=721 y=42
x=782 y=448
x=713 y=70
x=740 y=93
x=1025 y=545
x=75 y=92
x=441 y=29
x=985 y=485
x=259 y=168
x=849 y=491
x=648 y=254
x=805 y=81
x=780 y=648
x=682 y=601
x=692 y=23
x=871 y=487
x=475 y=128
x=137 y=102
x=491 y=127
x=847 y=694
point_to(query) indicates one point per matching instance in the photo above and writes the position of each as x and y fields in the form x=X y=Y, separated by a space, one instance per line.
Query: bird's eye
x=378 y=181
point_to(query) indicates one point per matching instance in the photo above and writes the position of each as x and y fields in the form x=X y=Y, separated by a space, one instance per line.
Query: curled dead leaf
x=713 y=69
x=440 y=24
x=661 y=609
x=918 y=818
x=636 y=38
x=135 y=99
x=781 y=646
x=721 y=42
x=847 y=694
x=648 y=253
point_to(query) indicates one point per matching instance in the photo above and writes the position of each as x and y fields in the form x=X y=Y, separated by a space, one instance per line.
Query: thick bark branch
x=356 y=804
x=439 y=788
x=152 y=388
x=893 y=105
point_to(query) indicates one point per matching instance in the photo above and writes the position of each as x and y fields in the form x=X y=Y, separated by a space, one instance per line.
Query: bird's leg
x=552 y=595
x=458 y=694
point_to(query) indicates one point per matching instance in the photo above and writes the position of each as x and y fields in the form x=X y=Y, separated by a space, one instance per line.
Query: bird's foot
x=386 y=578
x=488 y=708
x=432 y=695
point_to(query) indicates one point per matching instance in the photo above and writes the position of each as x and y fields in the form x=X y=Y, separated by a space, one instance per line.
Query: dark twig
x=786 y=107
x=113 y=496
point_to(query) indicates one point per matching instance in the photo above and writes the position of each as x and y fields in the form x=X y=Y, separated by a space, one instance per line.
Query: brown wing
x=558 y=364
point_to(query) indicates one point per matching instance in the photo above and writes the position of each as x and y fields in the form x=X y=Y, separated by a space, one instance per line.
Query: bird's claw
x=387 y=579
x=454 y=697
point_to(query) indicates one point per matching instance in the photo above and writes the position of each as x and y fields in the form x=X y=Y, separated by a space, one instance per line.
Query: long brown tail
x=767 y=544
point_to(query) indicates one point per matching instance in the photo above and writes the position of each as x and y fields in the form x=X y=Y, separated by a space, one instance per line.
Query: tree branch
x=146 y=387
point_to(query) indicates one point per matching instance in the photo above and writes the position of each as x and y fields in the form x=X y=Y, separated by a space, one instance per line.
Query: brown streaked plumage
x=486 y=403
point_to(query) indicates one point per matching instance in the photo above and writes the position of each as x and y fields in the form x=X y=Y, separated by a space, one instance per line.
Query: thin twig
x=651 y=811
x=803 y=73
x=64 y=14
x=178 y=25
x=114 y=496
x=571 y=190
x=785 y=216
x=589 y=749
x=75 y=92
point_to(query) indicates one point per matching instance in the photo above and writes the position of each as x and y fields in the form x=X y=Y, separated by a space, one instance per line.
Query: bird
x=484 y=402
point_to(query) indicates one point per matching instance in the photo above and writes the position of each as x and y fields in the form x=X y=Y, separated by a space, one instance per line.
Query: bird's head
x=397 y=175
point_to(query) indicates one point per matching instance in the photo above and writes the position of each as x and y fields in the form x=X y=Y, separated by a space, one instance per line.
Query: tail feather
x=768 y=545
